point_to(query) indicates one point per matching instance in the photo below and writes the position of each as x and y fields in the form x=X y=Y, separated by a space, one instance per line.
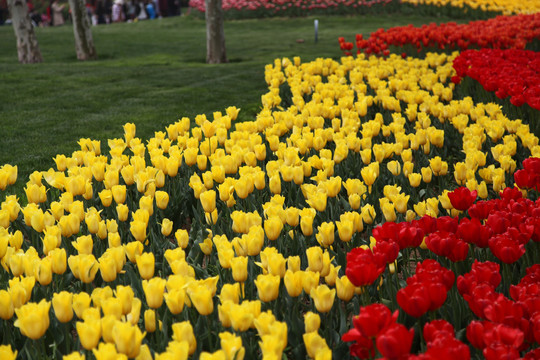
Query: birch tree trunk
x=84 y=44
x=215 y=36
x=27 y=44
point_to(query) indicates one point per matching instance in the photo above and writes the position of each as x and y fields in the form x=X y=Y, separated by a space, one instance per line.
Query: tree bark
x=27 y=44
x=215 y=35
x=84 y=44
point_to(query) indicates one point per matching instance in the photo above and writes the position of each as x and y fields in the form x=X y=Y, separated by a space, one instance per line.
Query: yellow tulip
x=267 y=287
x=272 y=227
x=312 y=322
x=33 y=319
x=208 y=200
x=6 y=305
x=175 y=299
x=293 y=283
x=182 y=238
x=83 y=245
x=315 y=344
x=323 y=298
x=6 y=353
x=153 y=291
x=62 y=305
x=325 y=234
x=106 y=351
x=183 y=331
x=345 y=289
x=414 y=179
x=239 y=268
x=232 y=346
x=127 y=339
x=202 y=298
x=81 y=302
x=122 y=211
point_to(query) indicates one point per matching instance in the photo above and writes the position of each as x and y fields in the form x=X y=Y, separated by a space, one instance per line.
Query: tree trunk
x=215 y=36
x=84 y=45
x=27 y=45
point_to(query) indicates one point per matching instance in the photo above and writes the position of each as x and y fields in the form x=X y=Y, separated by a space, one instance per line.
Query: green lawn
x=149 y=73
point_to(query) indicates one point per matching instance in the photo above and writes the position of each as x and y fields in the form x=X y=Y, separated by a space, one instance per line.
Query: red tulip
x=506 y=249
x=462 y=198
x=395 y=342
x=363 y=266
x=414 y=299
x=372 y=319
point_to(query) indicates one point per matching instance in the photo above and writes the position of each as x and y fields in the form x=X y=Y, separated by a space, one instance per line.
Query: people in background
x=57 y=13
x=118 y=11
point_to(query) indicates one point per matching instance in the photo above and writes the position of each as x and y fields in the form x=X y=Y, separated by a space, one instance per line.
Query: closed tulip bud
x=293 y=263
x=312 y=322
x=36 y=193
x=175 y=300
x=388 y=209
x=306 y=224
x=426 y=174
x=345 y=230
x=208 y=200
x=394 y=167
x=6 y=305
x=119 y=193
x=58 y=260
x=293 y=283
x=202 y=298
x=323 y=298
x=267 y=287
x=88 y=267
x=122 y=212
x=107 y=268
x=275 y=184
x=239 y=268
x=138 y=230
x=183 y=331
x=414 y=179
x=211 y=218
x=128 y=339
x=150 y=320
x=315 y=258
x=153 y=291
x=272 y=227
x=166 y=227
x=162 y=199
x=107 y=351
x=33 y=319
x=354 y=201
x=43 y=271
x=345 y=289
x=182 y=237
x=126 y=295
x=325 y=235
x=145 y=265
x=292 y=216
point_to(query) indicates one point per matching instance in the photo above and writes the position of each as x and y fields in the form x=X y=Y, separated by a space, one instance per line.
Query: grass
x=150 y=73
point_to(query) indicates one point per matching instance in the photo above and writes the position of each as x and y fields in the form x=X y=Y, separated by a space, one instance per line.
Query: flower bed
x=239 y=240
x=507 y=73
x=506 y=7
x=502 y=32
x=239 y=9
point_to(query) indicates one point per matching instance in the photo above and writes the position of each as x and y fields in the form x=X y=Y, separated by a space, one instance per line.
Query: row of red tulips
x=509 y=73
x=497 y=232
x=501 y=32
